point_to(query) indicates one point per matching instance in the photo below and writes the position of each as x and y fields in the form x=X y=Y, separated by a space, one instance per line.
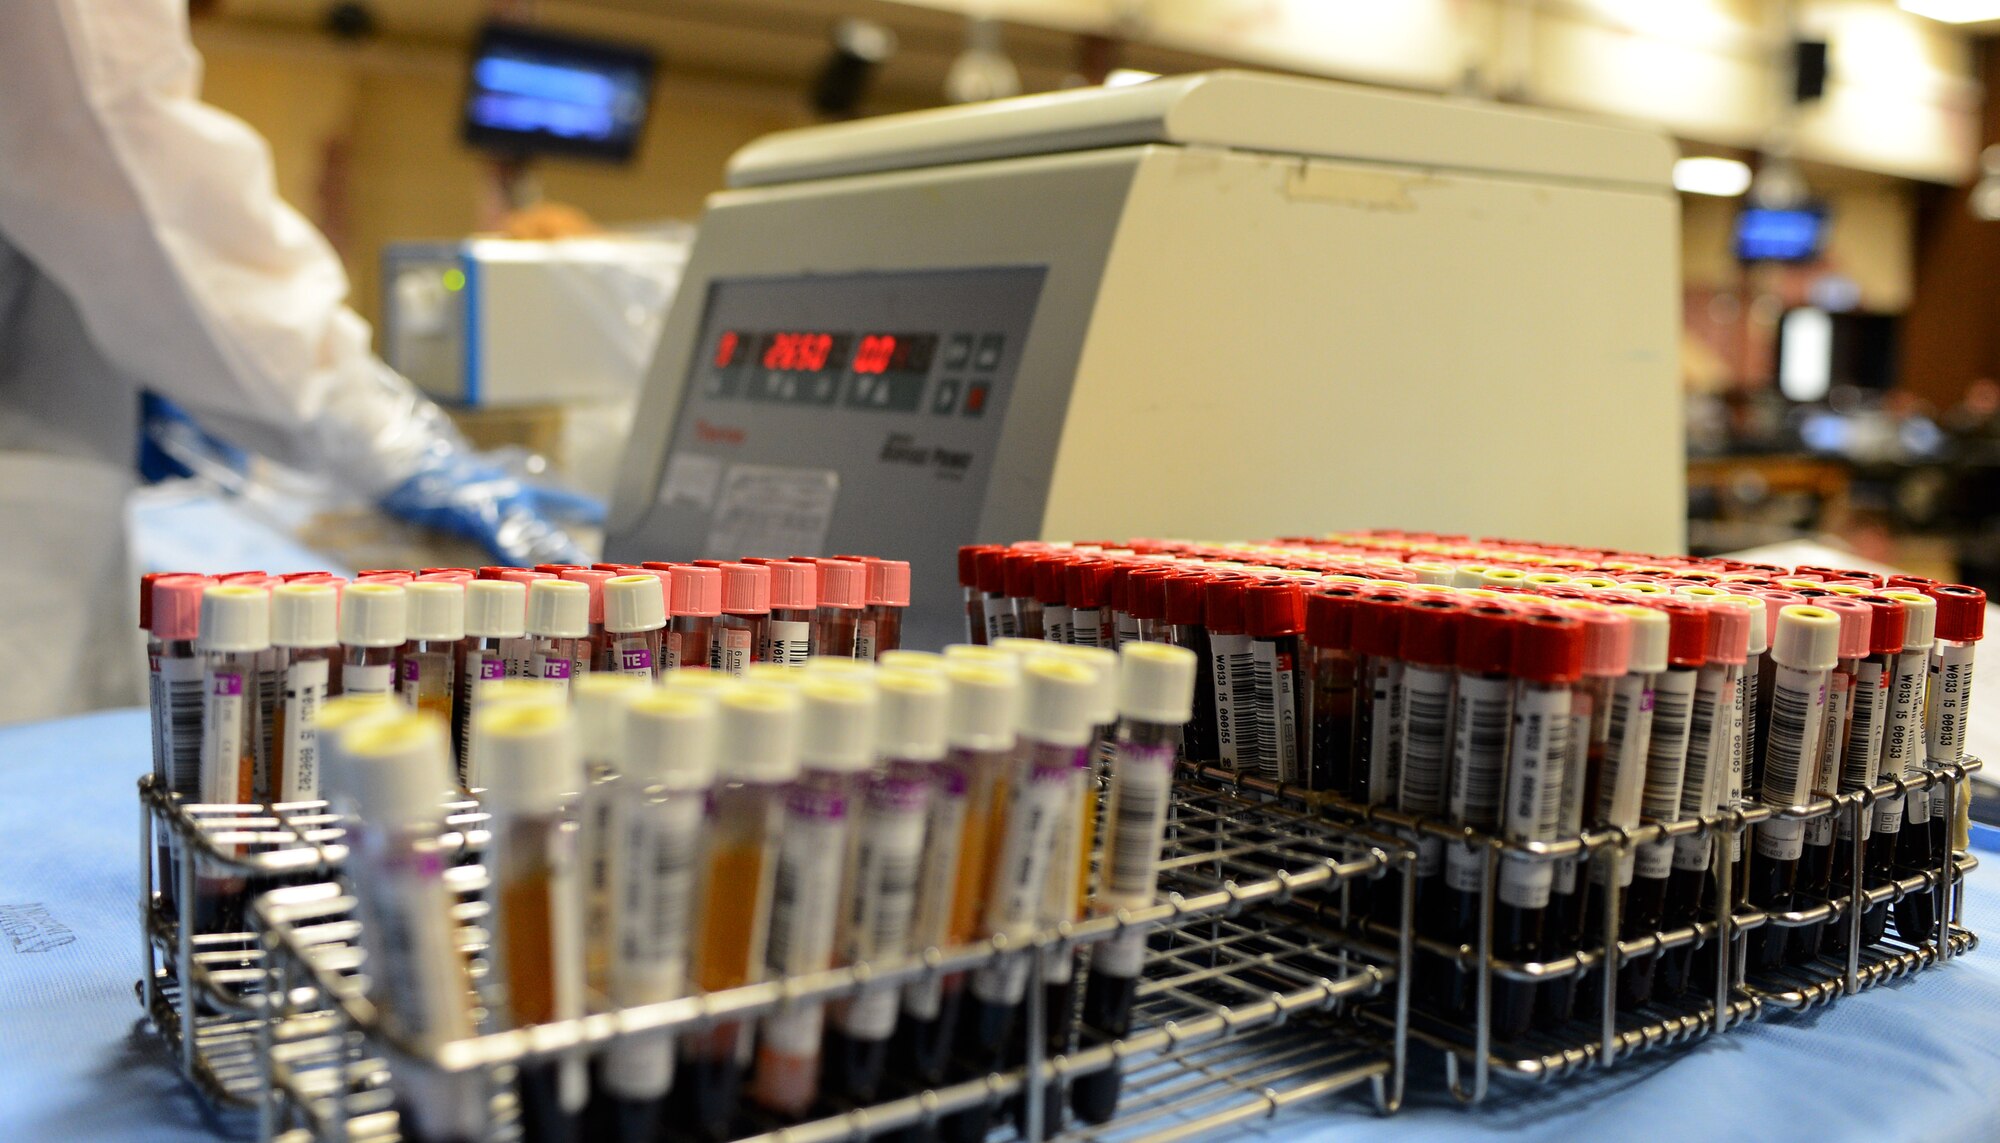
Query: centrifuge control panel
x=842 y=412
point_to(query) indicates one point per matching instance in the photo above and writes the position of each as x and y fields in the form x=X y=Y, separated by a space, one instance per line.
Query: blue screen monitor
x=1767 y=235
x=534 y=92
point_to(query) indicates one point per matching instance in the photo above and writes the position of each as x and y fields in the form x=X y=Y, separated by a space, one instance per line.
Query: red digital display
x=893 y=353
x=726 y=347
x=797 y=352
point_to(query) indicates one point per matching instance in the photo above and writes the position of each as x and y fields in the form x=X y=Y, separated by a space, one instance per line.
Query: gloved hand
x=473 y=496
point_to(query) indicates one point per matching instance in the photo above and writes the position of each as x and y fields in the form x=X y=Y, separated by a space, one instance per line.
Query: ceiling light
x=1708 y=174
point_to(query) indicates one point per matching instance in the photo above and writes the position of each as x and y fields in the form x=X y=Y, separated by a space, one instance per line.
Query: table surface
x=1915 y=1060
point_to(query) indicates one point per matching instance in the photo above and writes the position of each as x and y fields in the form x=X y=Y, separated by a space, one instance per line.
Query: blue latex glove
x=467 y=495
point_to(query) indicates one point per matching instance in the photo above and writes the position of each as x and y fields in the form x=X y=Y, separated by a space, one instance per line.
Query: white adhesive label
x=1087 y=627
x=653 y=883
x=228 y=695
x=1482 y=708
x=305 y=692
x=1142 y=785
x=1057 y=623
x=1385 y=717
x=729 y=650
x=1273 y=727
x=1569 y=816
x=1832 y=755
x=787 y=642
x=1666 y=765
x=1621 y=788
x=1864 y=739
x=630 y=655
x=1122 y=956
x=886 y=860
x=1702 y=778
x=1229 y=665
x=865 y=643
x=181 y=694
x=1536 y=759
x=1000 y=620
x=938 y=878
x=1426 y=733
x=804 y=907
x=1902 y=735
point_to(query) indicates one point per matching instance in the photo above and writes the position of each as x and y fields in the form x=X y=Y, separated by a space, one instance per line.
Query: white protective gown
x=142 y=243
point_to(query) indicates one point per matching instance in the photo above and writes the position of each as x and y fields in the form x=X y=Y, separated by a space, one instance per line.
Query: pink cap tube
x=177 y=606
x=696 y=591
x=1857 y=619
x=794 y=585
x=888 y=583
x=842 y=583
x=746 y=589
x=524 y=577
x=594 y=580
x=1729 y=633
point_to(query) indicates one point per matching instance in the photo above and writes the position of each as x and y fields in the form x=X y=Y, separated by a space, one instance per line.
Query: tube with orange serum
x=435 y=633
x=391 y=775
x=305 y=632
x=1155 y=698
x=635 y=612
x=746 y=613
x=883 y=890
x=1058 y=700
x=598 y=653
x=758 y=758
x=788 y=635
x=374 y=622
x=967 y=808
x=602 y=700
x=559 y=629
x=843 y=597
x=695 y=600
x=235 y=634
x=669 y=763
x=533 y=780
x=814 y=857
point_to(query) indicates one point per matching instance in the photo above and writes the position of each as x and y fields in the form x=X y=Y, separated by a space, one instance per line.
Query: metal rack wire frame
x=1730 y=1003
x=211 y=981
x=1252 y=865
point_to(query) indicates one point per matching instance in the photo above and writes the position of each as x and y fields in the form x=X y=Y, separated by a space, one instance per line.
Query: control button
x=958 y=351
x=988 y=357
x=975 y=400
x=946 y=398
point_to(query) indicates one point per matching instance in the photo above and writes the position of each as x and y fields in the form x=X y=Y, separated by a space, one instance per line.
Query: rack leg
x=1857 y=893
x=1607 y=976
x=1031 y=1074
x=1406 y=964
x=148 y=986
x=184 y=957
x=1725 y=914
x=1945 y=886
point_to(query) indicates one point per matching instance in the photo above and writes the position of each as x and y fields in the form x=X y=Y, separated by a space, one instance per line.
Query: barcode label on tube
x=1087 y=627
x=807 y=885
x=1798 y=718
x=1253 y=700
x=1056 y=622
x=1142 y=781
x=1950 y=688
x=1426 y=732
x=787 y=642
x=305 y=691
x=1698 y=785
x=1385 y=716
x=180 y=685
x=1224 y=651
x=1482 y=708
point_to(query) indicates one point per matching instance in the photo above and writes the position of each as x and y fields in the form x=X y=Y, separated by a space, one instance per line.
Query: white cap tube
x=1808 y=638
x=633 y=603
x=1650 y=634
x=1156 y=683
x=374 y=615
x=760 y=734
x=436 y=611
x=1103 y=663
x=1919 y=619
x=235 y=618
x=496 y=609
x=839 y=724
x=558 y=609
x=1058 y=701
x=980 y=708
x=670 y=740
x=305 y=615
x=602 y=700
x=531 y=765
x=396 y=771
x=911 y=723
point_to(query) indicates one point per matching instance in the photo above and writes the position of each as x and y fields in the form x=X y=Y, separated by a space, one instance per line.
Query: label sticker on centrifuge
x=763 y=508
x=691 y=477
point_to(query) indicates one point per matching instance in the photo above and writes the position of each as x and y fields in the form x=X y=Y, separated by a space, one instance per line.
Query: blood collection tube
x=559 y=625
x=1775 y=600
x=394 y=773
x=235 y=633
x=1378 y=633
x=1607 y=650
x=1805 y=646
x=843 y=595
x=1273 y=619
x=967 y=816
x=1089 y=589
x=1057 y=698
x=1902 y=742
x=603 y=700
x=175 y=623
x=1482 y=714
x=1666 y=771
x=990 y=565
x=788 y=633
x=154 y=703
x=1146 y=600
x=1546 y=664
x=1961 y=623
x=366 y=575
x=635 y=610
x=304 y=631
x=533 y=779
x=1426 y=645
x=435 y=631
x=1816 y=861
x=746 y=615
x=1186 y=628
x=881 y=627
x=975 y=599
x=1229 y=667
x=1863 y=757
x=1711 y=750
x=374 y=621
x=882 y=899
x=925 y=662
x=758 y=759
x=1052 y=592
x=496 y=614
x=1329 y=687
x=1155 y=698
x=697 y=601
x=1017 y=570
x=669 y=760
x=598 y=651
x=814 y=854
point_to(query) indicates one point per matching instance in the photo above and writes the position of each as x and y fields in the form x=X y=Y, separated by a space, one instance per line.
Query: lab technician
x=143 y=245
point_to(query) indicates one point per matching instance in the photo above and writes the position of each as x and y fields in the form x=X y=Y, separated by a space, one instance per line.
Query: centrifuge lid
x=1233 y=109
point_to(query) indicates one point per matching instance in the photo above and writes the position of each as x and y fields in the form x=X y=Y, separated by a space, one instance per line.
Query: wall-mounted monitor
x=533 y=92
